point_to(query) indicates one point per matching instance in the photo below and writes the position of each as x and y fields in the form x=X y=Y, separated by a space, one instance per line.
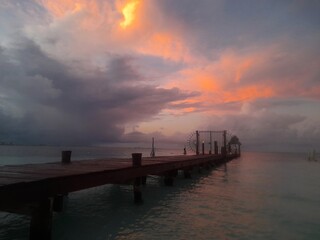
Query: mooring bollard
x=66 y=157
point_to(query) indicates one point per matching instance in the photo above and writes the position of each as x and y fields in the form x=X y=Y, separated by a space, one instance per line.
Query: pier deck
x=31 y=188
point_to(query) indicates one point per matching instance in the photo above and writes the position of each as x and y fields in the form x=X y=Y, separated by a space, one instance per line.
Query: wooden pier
x=38 y=189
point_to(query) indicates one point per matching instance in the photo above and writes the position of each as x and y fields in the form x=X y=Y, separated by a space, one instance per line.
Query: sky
x=92 y=72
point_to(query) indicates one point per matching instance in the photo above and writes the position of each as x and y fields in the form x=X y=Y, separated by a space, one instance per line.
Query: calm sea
x=258 y=196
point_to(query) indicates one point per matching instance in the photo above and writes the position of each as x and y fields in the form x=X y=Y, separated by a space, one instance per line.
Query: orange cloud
x=242 y=68
x=207 y=83
x=166 y=45
x=233 y=66
x=134 y=26
x=140 y=30
x=91 y=15
x=248 y=93
x=129 y=13
x=59 y=8
x=224 y=81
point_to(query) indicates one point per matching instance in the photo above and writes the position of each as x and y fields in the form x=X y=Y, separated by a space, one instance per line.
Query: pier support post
x=187 y=173
x=202 y=147
x=57 y=205
x=136 y=162
x=137 y=194
x=197 y=143
x=210 y=150
x=168 y=178
x=58 y=200
x=153 y=152
x=207 y=166
x=66 y=157
x=223 y=151
x=224 y=143
x=41 y=220
x=136 y=159
x=215 y=147
x=144 y=180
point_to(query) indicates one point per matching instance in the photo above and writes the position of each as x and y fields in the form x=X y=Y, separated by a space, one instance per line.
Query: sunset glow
x=101 y=68
x=128 y=12
x=59 y=8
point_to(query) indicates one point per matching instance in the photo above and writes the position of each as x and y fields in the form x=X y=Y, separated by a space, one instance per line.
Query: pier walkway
x=38 y=189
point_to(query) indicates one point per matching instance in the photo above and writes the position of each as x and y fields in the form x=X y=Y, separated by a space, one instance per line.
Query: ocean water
x=257 y=196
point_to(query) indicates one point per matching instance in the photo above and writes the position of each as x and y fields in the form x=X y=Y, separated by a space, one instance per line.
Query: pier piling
x=215 y=147
x=202 y=147
x=66 y=157
x=136 y=159
x=197 y=142
x=187 y=173
x=169 y=177
x=41 y=220
x=144 y=180
x=57 y=204
x=137 y=194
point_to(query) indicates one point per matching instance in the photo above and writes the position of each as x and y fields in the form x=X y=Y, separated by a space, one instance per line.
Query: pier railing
x=214 y=142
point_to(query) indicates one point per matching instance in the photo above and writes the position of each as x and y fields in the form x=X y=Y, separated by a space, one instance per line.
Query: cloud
x=45 y=102
x=72 y=72
x=265 y=126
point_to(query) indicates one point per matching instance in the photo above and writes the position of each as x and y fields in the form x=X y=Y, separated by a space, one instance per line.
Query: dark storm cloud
x=263 y=128
x=43 y=102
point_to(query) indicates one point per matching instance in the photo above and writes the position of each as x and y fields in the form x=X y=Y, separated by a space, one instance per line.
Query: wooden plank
x=55 y=169
x=35 y=176
x=156 y=168
x=52 y=170
x=31 y=182
x=4 y=181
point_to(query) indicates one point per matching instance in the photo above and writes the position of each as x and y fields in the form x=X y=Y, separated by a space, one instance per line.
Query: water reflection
x=111 y=213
